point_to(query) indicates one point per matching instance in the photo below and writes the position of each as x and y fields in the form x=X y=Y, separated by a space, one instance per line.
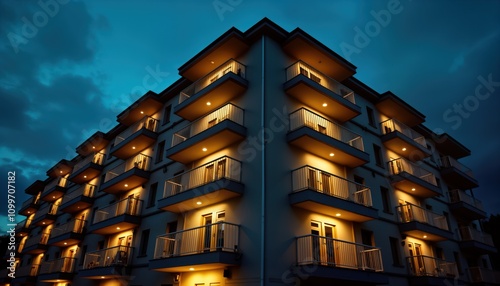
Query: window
x=395 y=251
x=166 y=114
x=359 y=180
x=367 y=237
x=377 y=151
x=100 y=244
x=371 y=117
x=143 y=247
x=159 y=151
x=152 y=195
x=172 y=227
x=456 y=256
x=82 y=256
x=386 y=200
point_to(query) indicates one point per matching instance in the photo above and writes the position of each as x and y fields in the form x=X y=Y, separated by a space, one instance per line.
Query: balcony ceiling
x=94 y=143
x=62 y=168
x=393 y=107
x=147 y=106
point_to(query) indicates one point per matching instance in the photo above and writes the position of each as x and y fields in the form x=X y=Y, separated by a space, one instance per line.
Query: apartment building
x=266 y=163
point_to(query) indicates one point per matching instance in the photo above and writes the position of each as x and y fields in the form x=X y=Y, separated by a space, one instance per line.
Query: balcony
x=483 y=275
x=35 y=188
x=206 y=247
x=96 y=141
x=30 y=206
x=326 y=139
x=136 y=138
x=54 y=190
x=412 y=179
x=46 y=215
x=23 y=227
x=57 y=270
x=120 y=216
x=320 y=92
x=60 y=169
x=427 y=270
x=37 y=244
x=466 y=206
x=475 y=242
x=67 y=234
x=106 y=263
x=403 y=140
x=423 y=224
x=339 y=261
x=87 y=169
x=456 y=174
x=78 y=199
x=211 y=183
x=212 y=91
x=208 y=134
x=319 y=191
x=26 y=275
x=129 y=175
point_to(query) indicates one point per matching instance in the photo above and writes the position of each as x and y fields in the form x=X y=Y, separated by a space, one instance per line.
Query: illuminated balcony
x=23 y=227
x=473 y=241
x=427 y=270
x=107 y=263
x=136 y=138
x=54 y=190
x=212 y=91
x=87 y=169
x=422 y=223
x=318 y=191
x=466 y=206
x=326 y=139
x=57 y=270
x=66 y=234
x=482 y=275
x=97 y=141
x=37 y=244
x=208 y=134
x=129 y=175
x=61 y=169
x=35 y=188
x=30 y=206
x=456 y=174
x=403 y=140
x=339 y=261
x=211 y=246
x=320 y=92
x=26 y=275
x=120 y=216
x=412 y=179
x=78 y=199
x=211 y=183
x=46 y=215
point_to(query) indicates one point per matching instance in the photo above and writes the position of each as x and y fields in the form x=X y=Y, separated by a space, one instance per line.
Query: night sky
x=67 y=68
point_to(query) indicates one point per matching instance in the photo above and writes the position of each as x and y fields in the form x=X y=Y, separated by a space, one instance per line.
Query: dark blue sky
x=69 y=67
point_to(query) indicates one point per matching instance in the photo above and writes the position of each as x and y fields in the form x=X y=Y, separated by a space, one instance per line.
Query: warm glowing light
x=53 y=197
x=337 y=214
x=198 y=203
x=142 y=112
x=412 y=189
x=126 y=185
x=425 y=236
x=118 y=228
x=93 y=147
x=212 y=62
x=60 y=172
x=331 y=154
x=209 y=103
x=133 y=147
x=191 y=269
x=325 y=104
x=29 y=212
x=102 y=277
x=404 y=149
x=65 y=243
x=43 y=222
x=204 y=149
x=85 y=176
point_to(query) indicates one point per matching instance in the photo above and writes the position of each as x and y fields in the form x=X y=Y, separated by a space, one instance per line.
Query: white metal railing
x=146 y=122
x=86 y=190
x=479 y=274
x=113 y=256
x=469 y=233
x=228 y=111
x=305 y=117
x=140 y=161
x=229 y=66
x=27 y=270
x=457 y=195
x=450 y=162
x=301 y=68
x=41 y=238
x=48 y=209
x=96 y=158
x=220 y=236
x=421 y=265
x=392 y=125
x=130 y=206
x=323 y=182
x=314 y=249
x=409 y=212
x=400 y=165
x=63 y=264
x=74 y=225
x=59 y=181
x=221 y=168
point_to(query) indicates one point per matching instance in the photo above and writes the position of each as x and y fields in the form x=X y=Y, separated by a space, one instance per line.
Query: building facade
x=266 y=163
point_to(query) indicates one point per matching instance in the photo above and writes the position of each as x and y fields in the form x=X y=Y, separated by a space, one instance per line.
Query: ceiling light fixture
x=142 y=112
x=425 y=236
x=331 y=154
x=191 y=269
x=337 y=214
x=118 y=228
x=413 y=189
x=204 y=149
x=198 y=203
x=133 y=147
x=404 y=149
x=209 y=103
x=126 y=185
x=325 y=104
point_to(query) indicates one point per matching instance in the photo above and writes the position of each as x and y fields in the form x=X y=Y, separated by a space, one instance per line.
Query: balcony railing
x=220 y=236
x=400 y=165
x=301 y=68
x=96 y=158
x=27 y=270
x=304 y=117
x=228 y=111
x=60 y=181
x=469 y=233
x=113 y=256
x=75 y=225
x=140 y=161
x=42 y=238
x=229 y=66
x=48 y=209
x=409 y=212
x=421 y=265
x=392 y=125
x=147 y=122
x=23 y=224
x=130 y=206
x=64 y=265
x=315 y=179
x=86 y=190
x=479 y=274
x=460 y=196
x=314 y=249
x=222 y=168
x=450 y=162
